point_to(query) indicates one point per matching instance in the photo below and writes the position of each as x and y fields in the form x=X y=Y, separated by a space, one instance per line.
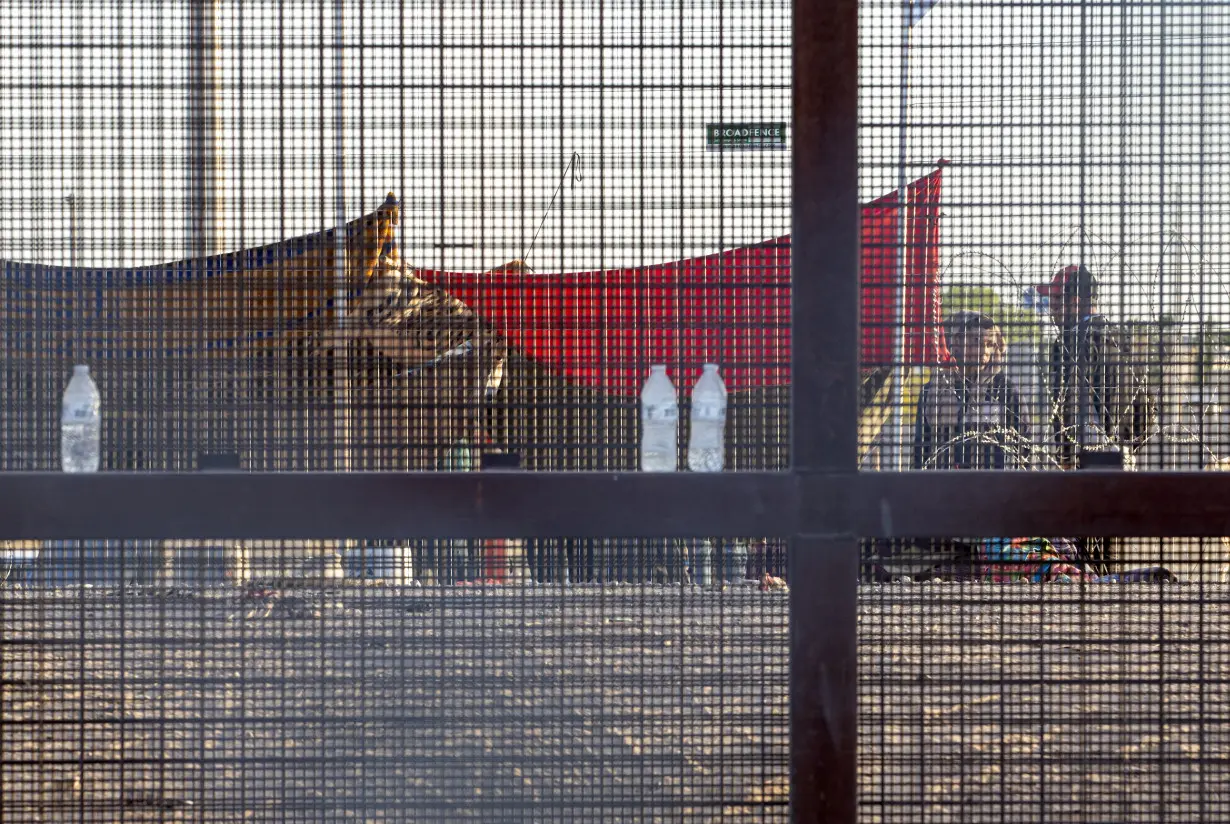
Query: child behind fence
x=969 y=414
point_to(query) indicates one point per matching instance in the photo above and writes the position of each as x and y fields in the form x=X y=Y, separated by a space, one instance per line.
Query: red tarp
x=605 y=328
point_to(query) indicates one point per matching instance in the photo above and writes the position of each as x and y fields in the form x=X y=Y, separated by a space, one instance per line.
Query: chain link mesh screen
x=1052 y=297
x=401 y=681
x=539 y=201
x=365 y=235
x=1053 y=287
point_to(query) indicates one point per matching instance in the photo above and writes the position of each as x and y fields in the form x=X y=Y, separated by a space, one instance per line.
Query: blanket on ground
x=993 y=560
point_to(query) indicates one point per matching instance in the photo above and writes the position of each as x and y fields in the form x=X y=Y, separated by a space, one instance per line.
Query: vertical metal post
x=205 y=198
x=341 y=286
x=73 y=259
x=76 y=348
x=900 y=372
x=824 y=407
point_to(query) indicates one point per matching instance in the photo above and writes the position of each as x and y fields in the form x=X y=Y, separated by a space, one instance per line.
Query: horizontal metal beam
x=598 y=505
x=394 y=505
x=987 y=504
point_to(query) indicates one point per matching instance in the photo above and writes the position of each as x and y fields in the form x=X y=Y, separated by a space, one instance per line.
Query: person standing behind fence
x=1098 y=393
x=969 y=415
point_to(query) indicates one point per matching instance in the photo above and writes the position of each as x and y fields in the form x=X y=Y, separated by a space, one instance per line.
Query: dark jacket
x=965 y=423
x=1091 y=368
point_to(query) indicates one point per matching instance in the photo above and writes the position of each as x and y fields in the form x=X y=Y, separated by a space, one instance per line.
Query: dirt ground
x=435 y=704
x=653 y=703
x=1027 y=703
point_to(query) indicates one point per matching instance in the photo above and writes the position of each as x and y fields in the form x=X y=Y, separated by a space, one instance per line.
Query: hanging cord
x=575 y=168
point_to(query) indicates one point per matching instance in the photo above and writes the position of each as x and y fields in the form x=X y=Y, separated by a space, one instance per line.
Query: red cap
x=1069 y=281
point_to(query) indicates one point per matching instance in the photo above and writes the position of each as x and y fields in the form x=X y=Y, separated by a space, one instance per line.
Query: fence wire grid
x=1041 y=690
x=429 y=235
x=1054 y=294
x=1053 y=299
x=388 y=235
x=489 y=687
x=350 y=236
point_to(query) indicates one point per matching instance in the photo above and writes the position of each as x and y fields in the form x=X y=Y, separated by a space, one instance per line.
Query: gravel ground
x=372 y=704
x=978 y=703
x=1025 y=703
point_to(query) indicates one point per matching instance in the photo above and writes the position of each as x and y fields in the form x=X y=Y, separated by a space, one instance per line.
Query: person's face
x=1066 y=309
x=970 y=349
x=1058 y=311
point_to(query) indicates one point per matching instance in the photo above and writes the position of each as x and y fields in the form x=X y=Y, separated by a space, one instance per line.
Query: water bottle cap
x=81 y=369
x=710 y=367
x=657 y=369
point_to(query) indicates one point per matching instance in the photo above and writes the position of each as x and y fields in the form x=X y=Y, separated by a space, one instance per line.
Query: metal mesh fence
x=1043 y=290
x=357 y=235
x=369 y=235
x=1043 y=680
x=539 y=202
x=356 y=691
x=1053 y=295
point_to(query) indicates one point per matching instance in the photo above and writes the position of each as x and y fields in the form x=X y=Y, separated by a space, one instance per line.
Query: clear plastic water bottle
x=702 y=566
x=659 y=423
x=80 y=423
x=736 y=562
x=707 y=444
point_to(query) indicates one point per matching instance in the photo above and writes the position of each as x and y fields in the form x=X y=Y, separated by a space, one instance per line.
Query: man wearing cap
x=1097 y=402
x=1099 y=405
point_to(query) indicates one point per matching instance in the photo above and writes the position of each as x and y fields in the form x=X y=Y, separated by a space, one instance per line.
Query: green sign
x=722 y=136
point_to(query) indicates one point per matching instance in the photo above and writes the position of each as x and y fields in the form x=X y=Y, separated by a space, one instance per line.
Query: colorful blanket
x=1044 y=560
x=994 y=560
x=1037 y=560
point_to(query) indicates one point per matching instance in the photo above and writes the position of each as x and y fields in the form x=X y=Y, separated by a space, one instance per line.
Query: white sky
x=468 y=111
x=1093 y=131
x=1106 y=115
